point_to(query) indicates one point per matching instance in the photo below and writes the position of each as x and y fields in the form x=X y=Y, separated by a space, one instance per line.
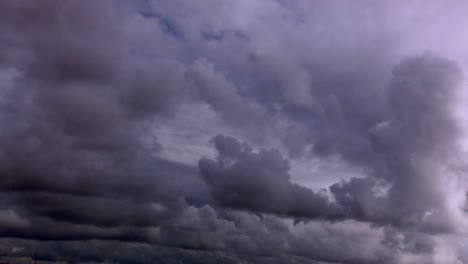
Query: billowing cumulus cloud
x=244 y=131
x=241 y=178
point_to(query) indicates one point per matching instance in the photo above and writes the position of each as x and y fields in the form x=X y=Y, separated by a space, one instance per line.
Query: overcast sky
x=234 y=131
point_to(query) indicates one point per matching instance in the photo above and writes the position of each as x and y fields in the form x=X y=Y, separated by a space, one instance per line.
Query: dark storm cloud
x=259 y=181
x=71 y=159
x=202 y=237
x=85 y=86
x=412 y=157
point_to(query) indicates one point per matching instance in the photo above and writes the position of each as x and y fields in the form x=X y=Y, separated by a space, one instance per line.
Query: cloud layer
x=217 y=131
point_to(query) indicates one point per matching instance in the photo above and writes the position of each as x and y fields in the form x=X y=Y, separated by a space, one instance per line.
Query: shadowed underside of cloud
x=96 y=95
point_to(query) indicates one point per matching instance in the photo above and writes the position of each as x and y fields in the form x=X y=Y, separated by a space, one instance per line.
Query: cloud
x=416 y=151
x=107 y=109
x=10 y=219
x=259 y=181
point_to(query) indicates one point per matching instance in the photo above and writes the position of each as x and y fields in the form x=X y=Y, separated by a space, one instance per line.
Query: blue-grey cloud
x=95 y=99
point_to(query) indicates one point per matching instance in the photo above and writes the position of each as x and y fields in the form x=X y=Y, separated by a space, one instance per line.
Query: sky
x=247 y=131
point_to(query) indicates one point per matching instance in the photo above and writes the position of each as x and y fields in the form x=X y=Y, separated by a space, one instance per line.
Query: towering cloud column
x=419 y=146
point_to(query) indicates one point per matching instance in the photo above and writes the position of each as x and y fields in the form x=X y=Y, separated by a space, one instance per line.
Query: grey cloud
x=205 y=236
x=84 y=84
x=259 y=181
x=223 y=96
x=416 y=151
x=145 y=92
x=10 y=219
x=420 y=140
